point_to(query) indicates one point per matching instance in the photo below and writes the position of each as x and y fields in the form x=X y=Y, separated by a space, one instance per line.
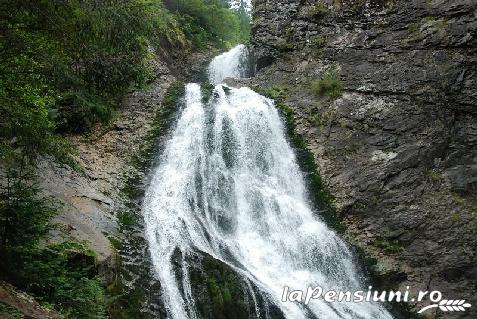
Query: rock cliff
x=94 y=199
x=398 y=147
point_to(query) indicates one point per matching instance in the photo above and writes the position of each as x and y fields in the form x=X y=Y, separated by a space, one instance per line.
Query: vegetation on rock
x=65 y=67
x=330 y=85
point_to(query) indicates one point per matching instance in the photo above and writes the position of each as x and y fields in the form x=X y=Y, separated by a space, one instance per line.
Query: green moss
x=436 y=175
x=413 y=27
x=389 y=246
x=126 y=218
x=320 y=196
x=218 y=291
x=161 y=122
x=130 y=306
x=441 y=24
x=456 y=217
x=207 y=89
x=428 y=19
x=115 y=242
x=458 y=199
x=318 y=10
x=330 y=85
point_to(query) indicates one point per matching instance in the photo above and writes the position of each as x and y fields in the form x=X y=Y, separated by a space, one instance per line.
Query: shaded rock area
x=219 y=292
x=397 y=149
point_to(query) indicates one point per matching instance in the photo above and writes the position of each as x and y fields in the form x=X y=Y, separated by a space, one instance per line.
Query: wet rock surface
x=219 y=292
x=398 y=149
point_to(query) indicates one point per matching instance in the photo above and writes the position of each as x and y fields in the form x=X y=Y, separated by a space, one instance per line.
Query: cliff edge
x=385 y=94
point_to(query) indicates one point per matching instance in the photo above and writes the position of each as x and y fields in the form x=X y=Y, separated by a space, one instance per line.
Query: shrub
x=319 y=10
x=389 y=246
x=61 y=276
x=330 y=85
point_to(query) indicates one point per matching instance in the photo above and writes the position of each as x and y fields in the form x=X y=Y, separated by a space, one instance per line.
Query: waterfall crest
x=228 y=185
x=231 y=64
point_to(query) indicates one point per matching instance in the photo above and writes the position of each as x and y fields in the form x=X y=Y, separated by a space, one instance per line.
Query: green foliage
x=169 y=102
x=324 y=115
x=218 y=291
x=321 y=40
x=24 y=217
x=12 y=312
x=389 y=246
x=458 y=199
x=56 y=274
x=66 y=64
x=207 y=89
x=162 y=120
x=206 y=22
x=63 y=276
x=126 y=218
x=60 y=276
x=330 y=85
x=436 y=175
x=413 y=27
x=318 y=10
x=131 y=305
x=69 y=60
x=456 y=217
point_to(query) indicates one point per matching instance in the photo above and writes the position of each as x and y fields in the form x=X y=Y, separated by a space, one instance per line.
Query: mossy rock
x=219 y=292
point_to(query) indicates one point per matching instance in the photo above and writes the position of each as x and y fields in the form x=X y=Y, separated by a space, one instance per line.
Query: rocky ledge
x=395 y=135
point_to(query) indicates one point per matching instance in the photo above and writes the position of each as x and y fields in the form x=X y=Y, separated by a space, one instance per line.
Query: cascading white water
x=231 y=64
x=228 y=185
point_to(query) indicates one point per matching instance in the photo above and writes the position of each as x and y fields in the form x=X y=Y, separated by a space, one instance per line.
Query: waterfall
x=228 y=185
x=231 y=64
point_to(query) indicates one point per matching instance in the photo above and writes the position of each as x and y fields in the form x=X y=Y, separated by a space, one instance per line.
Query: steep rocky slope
x=94 y=197
x=16 y=304
x=91 y=198
x=398 y=148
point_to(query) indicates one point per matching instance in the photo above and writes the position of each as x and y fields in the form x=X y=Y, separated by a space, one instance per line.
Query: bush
x=330 y=85
x=319 y=10
x=61 y=276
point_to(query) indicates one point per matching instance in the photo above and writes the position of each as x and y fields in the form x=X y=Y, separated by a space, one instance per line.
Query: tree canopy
x=64 y=66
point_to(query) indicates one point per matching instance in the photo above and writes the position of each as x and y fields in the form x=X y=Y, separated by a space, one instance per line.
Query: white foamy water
x=231 y=64
x=228 y=184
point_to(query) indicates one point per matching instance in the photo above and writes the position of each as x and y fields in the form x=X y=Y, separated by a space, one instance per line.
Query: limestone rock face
x=398 y=148
x=91 y=199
